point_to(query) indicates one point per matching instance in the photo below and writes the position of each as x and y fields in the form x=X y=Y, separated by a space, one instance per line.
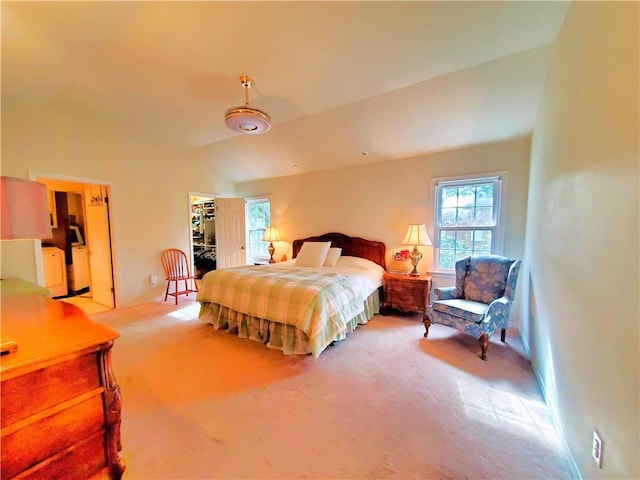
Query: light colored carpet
x=385 y=403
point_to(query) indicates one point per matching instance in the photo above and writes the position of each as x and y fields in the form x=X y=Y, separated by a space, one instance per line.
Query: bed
x=299 y=306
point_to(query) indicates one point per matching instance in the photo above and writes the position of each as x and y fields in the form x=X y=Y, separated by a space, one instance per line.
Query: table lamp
x=24 y=215
x=271 y=235
x=416 y=235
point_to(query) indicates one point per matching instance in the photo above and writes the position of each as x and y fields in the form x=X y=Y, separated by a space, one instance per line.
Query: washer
x=55 y=271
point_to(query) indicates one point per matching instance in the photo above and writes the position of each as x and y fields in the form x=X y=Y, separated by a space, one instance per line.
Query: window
x=258 y=215
x=467 y=219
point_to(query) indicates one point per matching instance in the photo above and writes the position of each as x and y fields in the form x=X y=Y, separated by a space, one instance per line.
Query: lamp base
x=271 y=249
x=415 y=256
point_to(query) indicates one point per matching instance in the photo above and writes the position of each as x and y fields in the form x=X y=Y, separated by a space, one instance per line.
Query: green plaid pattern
x=306 y=298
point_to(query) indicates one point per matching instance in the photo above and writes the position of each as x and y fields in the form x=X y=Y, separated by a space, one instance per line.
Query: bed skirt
x=288 y=338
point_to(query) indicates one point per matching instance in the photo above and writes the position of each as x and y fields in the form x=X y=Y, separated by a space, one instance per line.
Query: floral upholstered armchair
x=480 y=302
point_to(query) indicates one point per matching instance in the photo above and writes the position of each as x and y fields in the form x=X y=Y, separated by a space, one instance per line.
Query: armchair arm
x=444 y=293
x=498 y=312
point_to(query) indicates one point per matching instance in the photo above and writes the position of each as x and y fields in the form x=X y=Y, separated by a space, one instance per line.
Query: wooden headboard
x=351 y=246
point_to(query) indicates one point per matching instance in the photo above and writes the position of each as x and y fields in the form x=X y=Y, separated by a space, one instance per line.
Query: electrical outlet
x=153 y=279
x=596 y=449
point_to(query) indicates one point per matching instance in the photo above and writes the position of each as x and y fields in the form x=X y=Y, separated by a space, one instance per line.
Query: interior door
x=99 y=244
x=230 y=233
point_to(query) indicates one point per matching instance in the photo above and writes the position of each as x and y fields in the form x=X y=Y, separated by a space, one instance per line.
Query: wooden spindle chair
x=176 y=269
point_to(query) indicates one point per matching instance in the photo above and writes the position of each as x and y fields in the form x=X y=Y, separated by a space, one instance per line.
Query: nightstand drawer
x=413 y=288
x=406 y=301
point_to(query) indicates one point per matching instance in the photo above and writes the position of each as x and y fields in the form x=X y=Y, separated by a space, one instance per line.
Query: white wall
x=149 y=186
x=378 y=201
x=581 y=262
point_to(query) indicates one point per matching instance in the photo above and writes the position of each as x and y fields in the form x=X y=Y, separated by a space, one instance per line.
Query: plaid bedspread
x=312 y=301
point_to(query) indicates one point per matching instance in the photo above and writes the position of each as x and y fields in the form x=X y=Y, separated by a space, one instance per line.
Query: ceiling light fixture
x=246 y=119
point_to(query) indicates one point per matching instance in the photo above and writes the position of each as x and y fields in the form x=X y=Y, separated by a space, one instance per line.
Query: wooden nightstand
x=407 y=293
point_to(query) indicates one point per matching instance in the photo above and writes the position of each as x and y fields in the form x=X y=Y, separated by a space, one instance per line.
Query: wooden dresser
x=59 y=401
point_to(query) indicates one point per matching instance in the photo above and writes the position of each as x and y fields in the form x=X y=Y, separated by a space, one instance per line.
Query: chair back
x=485 y=278
x=512 y=280
x=175 y=264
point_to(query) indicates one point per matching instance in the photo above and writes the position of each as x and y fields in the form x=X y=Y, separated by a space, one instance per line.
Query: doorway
x=81 y=243
x=202 y=212
x=217 y=232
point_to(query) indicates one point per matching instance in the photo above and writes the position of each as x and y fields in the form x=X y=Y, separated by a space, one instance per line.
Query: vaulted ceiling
x=392 y=79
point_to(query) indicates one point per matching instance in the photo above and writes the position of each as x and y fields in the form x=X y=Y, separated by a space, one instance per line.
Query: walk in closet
x=203 y=234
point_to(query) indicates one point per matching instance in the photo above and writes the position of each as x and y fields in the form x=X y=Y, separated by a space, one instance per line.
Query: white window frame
x=500 y=202
x=251 y=258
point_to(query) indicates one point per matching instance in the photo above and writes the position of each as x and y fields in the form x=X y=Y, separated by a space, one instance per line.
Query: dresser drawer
x=49 y=435
x=48 y=387
x=81 y=462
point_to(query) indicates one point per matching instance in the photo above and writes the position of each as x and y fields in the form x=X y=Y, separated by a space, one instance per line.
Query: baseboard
x=575 y=471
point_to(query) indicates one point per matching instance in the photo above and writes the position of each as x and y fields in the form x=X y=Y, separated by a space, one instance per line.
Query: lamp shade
x=417 y=235
x=24 y=209
x=271 y=234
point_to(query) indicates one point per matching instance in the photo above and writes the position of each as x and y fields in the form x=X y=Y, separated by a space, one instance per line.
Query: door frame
x=87 y=182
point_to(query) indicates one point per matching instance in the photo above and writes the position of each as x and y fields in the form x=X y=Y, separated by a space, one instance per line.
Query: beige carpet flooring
x=385 y=403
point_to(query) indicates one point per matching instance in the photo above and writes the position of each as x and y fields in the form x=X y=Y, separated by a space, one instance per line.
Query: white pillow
x=312 y=254
x=332 y=257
